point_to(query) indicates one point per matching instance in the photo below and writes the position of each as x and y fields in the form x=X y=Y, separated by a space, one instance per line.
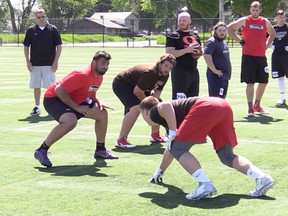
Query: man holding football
x=185 y=45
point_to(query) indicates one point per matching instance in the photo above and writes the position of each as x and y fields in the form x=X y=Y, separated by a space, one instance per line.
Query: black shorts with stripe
x=254 y=69
x=279 y=65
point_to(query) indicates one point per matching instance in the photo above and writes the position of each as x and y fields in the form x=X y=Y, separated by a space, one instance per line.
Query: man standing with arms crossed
x=254 y=43
x=181 y=44
x=280 y=55
x=42 y=59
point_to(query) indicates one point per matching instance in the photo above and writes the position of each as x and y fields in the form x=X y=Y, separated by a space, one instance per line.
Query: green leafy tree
x=242 y=7
x=64 y=12
x=124 y=6
x=4 y=14
x=23 y=15
x=67 y=8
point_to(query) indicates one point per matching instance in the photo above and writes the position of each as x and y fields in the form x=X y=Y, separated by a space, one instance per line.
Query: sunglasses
x=41 y=17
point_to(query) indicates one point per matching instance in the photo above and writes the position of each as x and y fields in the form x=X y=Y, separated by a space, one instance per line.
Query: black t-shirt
x=181 y=109
x=281 y=39
x=144 y=76
x=43 y=44
x=181 y=40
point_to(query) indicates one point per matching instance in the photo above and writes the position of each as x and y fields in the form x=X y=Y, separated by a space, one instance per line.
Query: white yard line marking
x=32 y=129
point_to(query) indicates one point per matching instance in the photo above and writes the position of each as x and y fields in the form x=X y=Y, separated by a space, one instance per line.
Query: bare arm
x=211 y=66
x=26 y=54
x=57 y=56
x=139 y=93
x=234 y=26
x=181 y=52
x=166 y=110
x=65 y=97
x=271 y=32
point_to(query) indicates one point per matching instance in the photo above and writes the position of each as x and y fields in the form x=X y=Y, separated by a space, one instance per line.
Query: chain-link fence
x=101 y=30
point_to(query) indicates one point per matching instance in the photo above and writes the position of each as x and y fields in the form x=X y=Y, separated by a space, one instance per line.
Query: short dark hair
x=167 y=57
x=101 y=54
x=148 y=102
x=256 y=4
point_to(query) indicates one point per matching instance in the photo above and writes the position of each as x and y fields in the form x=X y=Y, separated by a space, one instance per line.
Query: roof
x=112 y=15
x=107 y=23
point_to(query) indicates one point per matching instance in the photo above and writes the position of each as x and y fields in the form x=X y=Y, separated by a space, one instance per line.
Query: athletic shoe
x=35 y=112
x=262 y=186
x=123 y=143
x=157 y=138
x=41 y=156
x=205 y=189
x=281 y=103
x=104 y=154
x=260 y=109
x=250 y=113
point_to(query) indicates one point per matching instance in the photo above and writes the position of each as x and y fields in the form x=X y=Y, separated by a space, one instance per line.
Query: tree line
x=76 y=9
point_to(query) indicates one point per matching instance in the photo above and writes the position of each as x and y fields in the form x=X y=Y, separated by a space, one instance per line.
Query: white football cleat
x=262 y=186
x=204 y=189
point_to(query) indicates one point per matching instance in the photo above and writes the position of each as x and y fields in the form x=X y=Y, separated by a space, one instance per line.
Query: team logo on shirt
x=93 y=88
x=189 y=40
x=256 y=27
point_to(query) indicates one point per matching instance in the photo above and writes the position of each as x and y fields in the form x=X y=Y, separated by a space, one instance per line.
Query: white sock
x=38 y=106
x=281 y=86
x=200 y=176
x=255 y=173
x=158 y=171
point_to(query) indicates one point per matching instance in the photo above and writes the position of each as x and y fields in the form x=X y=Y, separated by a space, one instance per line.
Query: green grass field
x=79 y=185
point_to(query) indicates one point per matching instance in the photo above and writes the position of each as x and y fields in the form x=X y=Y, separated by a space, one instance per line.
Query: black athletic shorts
x=185 y=82
x=254 y=69
x=125 y=93
x=56 y=108
x=279 y=65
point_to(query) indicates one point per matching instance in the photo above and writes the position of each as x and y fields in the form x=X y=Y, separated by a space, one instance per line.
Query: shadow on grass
x=262 y=119
x=152 y=148
x=76 y=170
x=36 y=119
x=175 y=197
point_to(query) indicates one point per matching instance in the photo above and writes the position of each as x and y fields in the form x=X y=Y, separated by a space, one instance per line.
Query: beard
x=220 y=37
x=184 y=27
x=102 y=72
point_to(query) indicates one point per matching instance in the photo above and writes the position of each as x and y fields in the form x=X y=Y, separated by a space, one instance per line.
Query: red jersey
x=254 y=35
x=80 y=84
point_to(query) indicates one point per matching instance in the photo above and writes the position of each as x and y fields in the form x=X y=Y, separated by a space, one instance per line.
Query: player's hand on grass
x=157 y=177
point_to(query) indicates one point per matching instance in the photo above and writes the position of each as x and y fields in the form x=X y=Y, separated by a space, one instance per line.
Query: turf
x=79 y=185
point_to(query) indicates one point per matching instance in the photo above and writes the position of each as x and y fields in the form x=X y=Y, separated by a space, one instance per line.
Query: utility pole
x=177 y=12
x=221 y=10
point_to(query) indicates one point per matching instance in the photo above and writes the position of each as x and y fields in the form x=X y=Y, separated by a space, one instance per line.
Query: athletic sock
x=250 y=105
x=255 y=173
x=281 y=86
x=44 y=146
x=159 y=171
x=200 y=176
x=100 y=146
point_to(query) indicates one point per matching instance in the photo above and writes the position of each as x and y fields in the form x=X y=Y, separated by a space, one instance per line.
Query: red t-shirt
x=254 y=35
x=80 y=84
